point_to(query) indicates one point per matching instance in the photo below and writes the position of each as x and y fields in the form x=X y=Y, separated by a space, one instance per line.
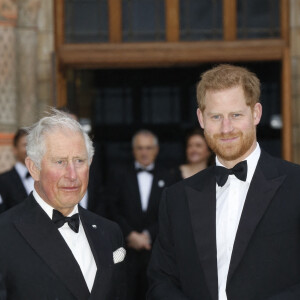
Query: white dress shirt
x=145 y=180
x=230 y=202
x=28 y=182
x=77 y=243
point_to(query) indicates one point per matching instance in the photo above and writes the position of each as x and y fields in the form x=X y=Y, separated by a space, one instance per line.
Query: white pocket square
x=119 y=255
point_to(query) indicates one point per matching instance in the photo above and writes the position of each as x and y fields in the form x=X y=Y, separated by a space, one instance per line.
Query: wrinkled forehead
x=64 y=141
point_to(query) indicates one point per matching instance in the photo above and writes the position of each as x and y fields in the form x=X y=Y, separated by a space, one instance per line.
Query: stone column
x=295 y=56
x=8 y=88
x=8 y=85
x=26 y=47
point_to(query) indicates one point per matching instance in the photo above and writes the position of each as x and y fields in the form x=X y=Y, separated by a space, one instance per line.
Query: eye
x=216 y=117
x=59 y=162
x=237 y=115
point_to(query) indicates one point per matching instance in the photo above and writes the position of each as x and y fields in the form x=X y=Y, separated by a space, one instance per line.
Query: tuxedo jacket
x=265 y=261
x=37 y=264
x=125 y=200
x=12 y=189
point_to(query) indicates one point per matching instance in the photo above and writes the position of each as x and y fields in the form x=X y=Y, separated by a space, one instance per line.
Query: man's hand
x=138 y=241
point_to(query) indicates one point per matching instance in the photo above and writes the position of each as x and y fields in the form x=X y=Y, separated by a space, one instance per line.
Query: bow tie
x=59 y=220
x=144 y=170
x=239 y=170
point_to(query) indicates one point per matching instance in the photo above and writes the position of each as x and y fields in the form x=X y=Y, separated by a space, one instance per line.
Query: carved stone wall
x=295 y=57
x=26 y=49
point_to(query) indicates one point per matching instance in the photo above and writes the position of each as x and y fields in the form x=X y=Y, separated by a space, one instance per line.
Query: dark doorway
x=118 y=102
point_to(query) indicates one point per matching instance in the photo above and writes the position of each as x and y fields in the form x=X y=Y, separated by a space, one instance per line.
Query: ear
x=200 y=118
x=257 y=113
x=32 y=168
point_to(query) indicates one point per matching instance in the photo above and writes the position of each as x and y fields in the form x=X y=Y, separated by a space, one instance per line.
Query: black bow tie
x=59 y=220
x=144 y=170
x=239 y=170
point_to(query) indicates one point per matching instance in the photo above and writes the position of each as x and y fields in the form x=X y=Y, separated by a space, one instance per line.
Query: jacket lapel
x=100 y=246
x=201 y=197
x=264 y=184
x=42 y=235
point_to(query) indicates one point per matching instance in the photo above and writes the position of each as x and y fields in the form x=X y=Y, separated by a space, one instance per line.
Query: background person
x=198 y=155
x=135 y=195
x=17 y=183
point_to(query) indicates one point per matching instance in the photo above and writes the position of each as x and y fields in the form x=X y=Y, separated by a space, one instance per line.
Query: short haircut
x=228 y=76
x=56 y=119
x=145 y=132
x=18 y=135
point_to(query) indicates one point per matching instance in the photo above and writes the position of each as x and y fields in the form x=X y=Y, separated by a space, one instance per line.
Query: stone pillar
x=26 y=48
x=8 y=88
x=295 y=57
x=44 y=63
x=8 y=84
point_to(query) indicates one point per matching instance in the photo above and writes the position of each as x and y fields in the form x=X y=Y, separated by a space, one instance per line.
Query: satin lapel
x=134 y=186
x=100 y=246
x=260 y=194
x=202 y=206
x=154 y=193
x=39 y=231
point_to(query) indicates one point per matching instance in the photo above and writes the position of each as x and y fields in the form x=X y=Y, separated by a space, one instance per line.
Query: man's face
x=229 y=124
x=20 y=149
x=63 y=178
x=145 y=150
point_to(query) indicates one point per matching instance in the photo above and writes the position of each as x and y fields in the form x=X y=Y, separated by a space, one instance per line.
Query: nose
x=71 y=172
x=226 y=125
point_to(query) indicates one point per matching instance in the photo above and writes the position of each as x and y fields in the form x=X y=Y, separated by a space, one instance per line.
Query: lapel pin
x=161 y=183
x=94 y=226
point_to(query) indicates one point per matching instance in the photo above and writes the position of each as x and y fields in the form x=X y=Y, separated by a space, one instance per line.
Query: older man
x=230 y=232
x=50 y=247
x=136 y=192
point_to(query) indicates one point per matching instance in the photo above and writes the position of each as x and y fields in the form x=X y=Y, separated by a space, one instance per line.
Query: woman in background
x=198 y=155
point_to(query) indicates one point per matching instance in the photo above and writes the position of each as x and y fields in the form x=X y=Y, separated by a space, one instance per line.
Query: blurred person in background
x=135 y=193
x=17 y=183
x=198 y=155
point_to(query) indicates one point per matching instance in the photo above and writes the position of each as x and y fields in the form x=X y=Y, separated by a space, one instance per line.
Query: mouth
x=229 y=139
x=70 y=188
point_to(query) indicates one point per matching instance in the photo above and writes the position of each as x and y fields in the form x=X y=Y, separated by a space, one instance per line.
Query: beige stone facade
x=295 y=61
x=26 y=75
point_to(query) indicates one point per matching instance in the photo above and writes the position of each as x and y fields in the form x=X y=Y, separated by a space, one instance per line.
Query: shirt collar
x=252 y=161
x=48 y=208
x=148 y=168
x=21 y=169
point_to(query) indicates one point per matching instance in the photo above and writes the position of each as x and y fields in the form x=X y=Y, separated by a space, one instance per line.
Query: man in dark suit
x=230 y=232
x=51 y=248
x=16 y=184
x=135 y=195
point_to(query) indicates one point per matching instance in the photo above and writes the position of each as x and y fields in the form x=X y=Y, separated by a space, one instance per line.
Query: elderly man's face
x=145 y=150
x=63 y=178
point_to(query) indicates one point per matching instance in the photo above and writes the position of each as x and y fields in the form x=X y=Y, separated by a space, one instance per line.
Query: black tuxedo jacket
x=265 y=262
x=37 y=264
x=125 y=201
x=12 y=189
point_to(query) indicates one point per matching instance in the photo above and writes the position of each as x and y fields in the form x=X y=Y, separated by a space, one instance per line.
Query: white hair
x=56 y=119
x=144 y=132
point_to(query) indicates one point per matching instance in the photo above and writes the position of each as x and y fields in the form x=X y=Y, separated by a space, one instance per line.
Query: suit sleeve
x=2 y=289
x=163 y=271
x=292 y=293
x=114 y=198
